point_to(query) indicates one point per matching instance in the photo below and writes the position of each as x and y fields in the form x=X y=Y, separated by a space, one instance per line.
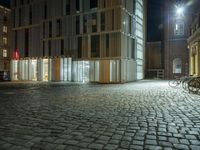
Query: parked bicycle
x=180 y=82
x=191 y=83
x=194 y=85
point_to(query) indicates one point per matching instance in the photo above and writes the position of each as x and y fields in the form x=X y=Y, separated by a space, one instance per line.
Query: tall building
x=194 y=46
x=5 y=38
x=78 y=40
x=176 y=32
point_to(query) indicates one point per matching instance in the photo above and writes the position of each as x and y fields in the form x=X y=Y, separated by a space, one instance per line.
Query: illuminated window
x=5 y=29
x=5 y=53
x=179 y=28
x=177 y=65
x=5 y=41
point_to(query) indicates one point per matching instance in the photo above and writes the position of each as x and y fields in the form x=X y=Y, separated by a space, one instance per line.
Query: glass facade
x=82 y=41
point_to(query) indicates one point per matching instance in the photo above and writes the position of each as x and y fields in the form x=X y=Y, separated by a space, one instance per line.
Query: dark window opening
x=15 y=39
x=20 y=16
x=50 y=29
x=62 y=47
x=79 y=47
x=43 y=30
x=49 y=47
x=103 y=21
x=94 y=22
x=93 y=4
x=5 y=19
x=45 y=10
x=107 y=45
x=30 y=15
x=26 y=43
x=43 y=49
x=58 y=27
x=77 y=25
x=84 y=24
x=95 y=50
x=67 y=8
x=112 y=19
x=77 y=5
x=21 y=2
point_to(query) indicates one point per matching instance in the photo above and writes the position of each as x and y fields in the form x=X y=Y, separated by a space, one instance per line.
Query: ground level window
x=177 y=65
x=5 y=53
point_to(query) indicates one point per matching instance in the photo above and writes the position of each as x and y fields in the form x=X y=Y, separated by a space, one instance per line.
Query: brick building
x=176 y=32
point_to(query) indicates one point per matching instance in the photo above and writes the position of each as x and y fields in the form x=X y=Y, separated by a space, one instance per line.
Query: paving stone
x=194 y=147
x=181 y=146
x=60 y=147
x=111 y=147
x=96 y=146
x=140 y=115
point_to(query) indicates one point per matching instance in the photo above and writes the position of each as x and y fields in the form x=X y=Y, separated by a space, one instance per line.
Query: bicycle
x=179 y=81
x=194 y=85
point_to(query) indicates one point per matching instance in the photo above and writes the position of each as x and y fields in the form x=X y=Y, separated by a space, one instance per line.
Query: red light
x=15 y=54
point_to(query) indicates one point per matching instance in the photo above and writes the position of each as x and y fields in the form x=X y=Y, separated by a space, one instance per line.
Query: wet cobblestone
x=66 y=116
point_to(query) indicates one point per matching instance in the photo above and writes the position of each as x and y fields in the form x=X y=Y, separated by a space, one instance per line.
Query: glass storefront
x=64 y=69
x=14 y=70
x=45 y=70
x=33 y=70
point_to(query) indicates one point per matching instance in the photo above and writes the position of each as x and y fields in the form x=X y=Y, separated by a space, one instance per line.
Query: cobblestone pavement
x=68 y=116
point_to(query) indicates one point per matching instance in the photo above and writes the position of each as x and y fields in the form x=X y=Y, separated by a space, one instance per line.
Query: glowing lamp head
x=180 y=10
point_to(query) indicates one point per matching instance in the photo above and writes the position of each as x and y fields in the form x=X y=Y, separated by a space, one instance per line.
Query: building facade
x=78 y=40
x=194 y=46
x=5 y=38
x=154 y=60
x=176 y=32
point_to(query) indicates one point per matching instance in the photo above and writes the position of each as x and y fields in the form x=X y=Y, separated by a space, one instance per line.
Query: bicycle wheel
x=193 y=85
x=185 y=83
x=173 y=83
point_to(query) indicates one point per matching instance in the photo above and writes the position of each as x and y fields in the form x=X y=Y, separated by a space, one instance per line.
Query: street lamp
x=179 y=10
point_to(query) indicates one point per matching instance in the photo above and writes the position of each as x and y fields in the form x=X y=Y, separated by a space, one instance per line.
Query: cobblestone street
x=69 y=116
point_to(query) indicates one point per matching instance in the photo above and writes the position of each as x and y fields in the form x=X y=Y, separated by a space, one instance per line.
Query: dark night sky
x=154 y=26
x=153 y=18
x=5 y=3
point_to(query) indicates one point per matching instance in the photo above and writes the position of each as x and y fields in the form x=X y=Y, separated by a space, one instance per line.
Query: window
x=30 y=15
x=5 y=54
x=102 y=21
x=21 y=2
x=5 y=40
x=62 y=47
x=20 y=16
x=94 y=22
x=45 y=10
x=50 y=29
x=85 y=24
x=77 y=25
x=43 y=49
x=79 y=47
x=95 y=50
x=5 y=18
x=107 y=45
x=93 y=4
x=67 y=7
x=177 y=65
x=77 y=6
x=5 y=29
x=26 y=52
x=58 y=27
x=49 y=47
x=179 y=28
